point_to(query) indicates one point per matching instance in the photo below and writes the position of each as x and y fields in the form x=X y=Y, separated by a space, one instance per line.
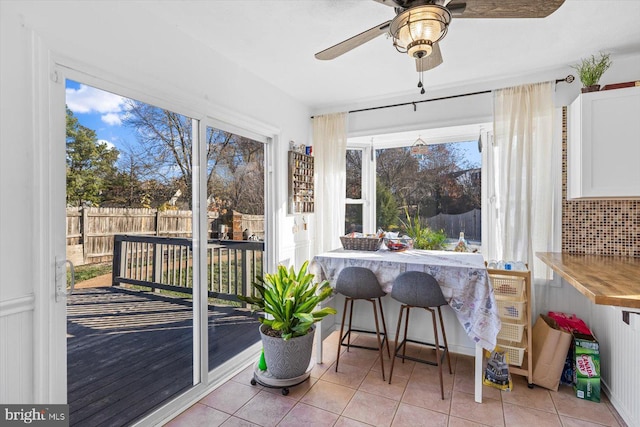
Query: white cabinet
x=603 y=145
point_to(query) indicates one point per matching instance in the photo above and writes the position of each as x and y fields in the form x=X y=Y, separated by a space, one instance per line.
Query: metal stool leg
x=406 y=328
x=350 y=323
x=437 y=347
x=395 y=346
x=384 y=326
x=344 y=314
x=444 y=337
x=375 y=316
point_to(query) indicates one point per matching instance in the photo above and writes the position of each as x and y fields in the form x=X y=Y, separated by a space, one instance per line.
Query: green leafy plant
x=591 y=69
x=423 y=236
x=290 y=298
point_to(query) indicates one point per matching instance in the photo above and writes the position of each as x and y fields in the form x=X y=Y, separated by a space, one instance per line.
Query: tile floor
x=357 y=396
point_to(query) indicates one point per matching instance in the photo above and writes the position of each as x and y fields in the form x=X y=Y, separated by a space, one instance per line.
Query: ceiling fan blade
x=457 y=9
x=507 y=8
x=353 y=42
x=430 y=62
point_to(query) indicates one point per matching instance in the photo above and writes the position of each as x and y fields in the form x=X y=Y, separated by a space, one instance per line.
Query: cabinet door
x=604 y=145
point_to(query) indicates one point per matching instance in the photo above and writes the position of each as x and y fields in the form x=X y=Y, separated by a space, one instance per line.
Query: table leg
x=478 y=374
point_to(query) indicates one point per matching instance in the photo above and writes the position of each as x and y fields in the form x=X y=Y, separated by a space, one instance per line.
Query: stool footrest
x=415 y=359
x=348 y=332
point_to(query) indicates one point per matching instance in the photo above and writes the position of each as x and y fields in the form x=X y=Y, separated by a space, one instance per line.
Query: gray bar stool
x=415 y=289
x=359 y=283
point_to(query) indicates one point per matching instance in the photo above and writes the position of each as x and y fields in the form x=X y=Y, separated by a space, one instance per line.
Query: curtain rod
x=570 y=78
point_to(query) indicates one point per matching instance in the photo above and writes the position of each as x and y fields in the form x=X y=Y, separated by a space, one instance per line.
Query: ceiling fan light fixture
x=416 y=29
x=420 y=49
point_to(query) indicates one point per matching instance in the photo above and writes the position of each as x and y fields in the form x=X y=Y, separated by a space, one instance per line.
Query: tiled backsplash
x=602 y=227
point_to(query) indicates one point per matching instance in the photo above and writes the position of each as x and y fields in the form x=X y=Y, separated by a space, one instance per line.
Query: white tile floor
x=357 y=396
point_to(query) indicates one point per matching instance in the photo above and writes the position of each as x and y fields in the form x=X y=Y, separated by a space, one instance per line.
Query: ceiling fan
x=420 y=24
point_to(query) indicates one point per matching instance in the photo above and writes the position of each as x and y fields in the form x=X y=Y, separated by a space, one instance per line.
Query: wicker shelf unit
x=513 y=296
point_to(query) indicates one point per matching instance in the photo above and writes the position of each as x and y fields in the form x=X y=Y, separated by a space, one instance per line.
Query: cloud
x=87 y=99
x=108 y=143
x=112 y=119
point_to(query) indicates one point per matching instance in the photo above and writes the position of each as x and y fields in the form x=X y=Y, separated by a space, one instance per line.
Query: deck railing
x=167 y=263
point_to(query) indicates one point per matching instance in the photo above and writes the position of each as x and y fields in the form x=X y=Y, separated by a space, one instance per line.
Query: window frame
x=368 y=188
x=368 y=144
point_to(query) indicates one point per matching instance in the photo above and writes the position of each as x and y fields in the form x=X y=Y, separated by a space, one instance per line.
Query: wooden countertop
x=605 y=280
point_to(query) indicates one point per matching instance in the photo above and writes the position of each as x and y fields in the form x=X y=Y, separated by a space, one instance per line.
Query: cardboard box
x=586 y=367
x=550 y=347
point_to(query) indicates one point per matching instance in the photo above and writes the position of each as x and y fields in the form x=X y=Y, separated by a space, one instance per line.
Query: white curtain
x=522 y=190
x=329 y=150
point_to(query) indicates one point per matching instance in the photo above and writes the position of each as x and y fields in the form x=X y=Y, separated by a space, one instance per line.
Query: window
x=353 y=211
x=441 y=185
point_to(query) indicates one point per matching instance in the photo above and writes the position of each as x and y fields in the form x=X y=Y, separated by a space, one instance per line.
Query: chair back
x=417 y=289
x=358 y=283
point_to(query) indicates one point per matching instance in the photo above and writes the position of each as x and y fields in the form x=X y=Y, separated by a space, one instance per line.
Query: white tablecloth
x=462 y=277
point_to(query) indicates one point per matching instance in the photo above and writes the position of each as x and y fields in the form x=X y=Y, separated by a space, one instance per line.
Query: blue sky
x=470 y=151
x=102 y=112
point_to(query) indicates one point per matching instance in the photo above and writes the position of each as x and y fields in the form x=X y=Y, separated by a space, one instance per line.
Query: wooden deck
x=129 y=351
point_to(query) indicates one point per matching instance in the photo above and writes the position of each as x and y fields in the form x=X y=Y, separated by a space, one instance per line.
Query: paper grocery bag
x=550 y=347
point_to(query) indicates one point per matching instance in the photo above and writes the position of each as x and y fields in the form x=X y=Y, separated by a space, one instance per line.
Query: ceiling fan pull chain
x=420 y=85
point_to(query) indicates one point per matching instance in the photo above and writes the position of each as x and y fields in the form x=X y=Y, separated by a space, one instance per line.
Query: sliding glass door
x=166 y=225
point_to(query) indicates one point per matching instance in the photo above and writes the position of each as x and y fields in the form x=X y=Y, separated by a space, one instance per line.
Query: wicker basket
x=512 y=330
x=361 y=243
x=510 y=309
x=515 y=351
x=508 y=286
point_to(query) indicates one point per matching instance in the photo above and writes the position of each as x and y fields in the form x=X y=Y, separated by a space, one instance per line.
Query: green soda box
x=586 y=367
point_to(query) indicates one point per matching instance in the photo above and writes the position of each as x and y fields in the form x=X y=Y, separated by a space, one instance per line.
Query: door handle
x=61 y=279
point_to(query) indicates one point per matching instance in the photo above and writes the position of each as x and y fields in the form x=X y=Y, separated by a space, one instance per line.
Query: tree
x=90 y=164
x=354 y=174
x=438 y=172
x=398 y=170
x=235 y=171
x=235 y=164
x=386 y=208
x=131 y=188
x=432 y=183
x=167 y=145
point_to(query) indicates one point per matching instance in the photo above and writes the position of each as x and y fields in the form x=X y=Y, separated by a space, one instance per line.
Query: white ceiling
x=277 y=39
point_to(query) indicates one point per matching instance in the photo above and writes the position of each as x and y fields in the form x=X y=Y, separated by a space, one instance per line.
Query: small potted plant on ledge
x=290 y=299
x=591 y=69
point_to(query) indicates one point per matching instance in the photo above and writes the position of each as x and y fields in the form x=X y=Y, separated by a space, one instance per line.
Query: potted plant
x=591 y=69
x=423 y=236
x=289 y=298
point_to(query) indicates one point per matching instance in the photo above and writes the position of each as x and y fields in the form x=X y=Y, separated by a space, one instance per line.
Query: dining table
x=462 y=276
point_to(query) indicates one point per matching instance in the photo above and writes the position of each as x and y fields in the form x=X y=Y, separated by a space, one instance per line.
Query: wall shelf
x=301 y=176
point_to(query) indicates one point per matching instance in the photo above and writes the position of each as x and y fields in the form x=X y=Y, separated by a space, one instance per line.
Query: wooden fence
x=90 y=230
x=469 y=222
